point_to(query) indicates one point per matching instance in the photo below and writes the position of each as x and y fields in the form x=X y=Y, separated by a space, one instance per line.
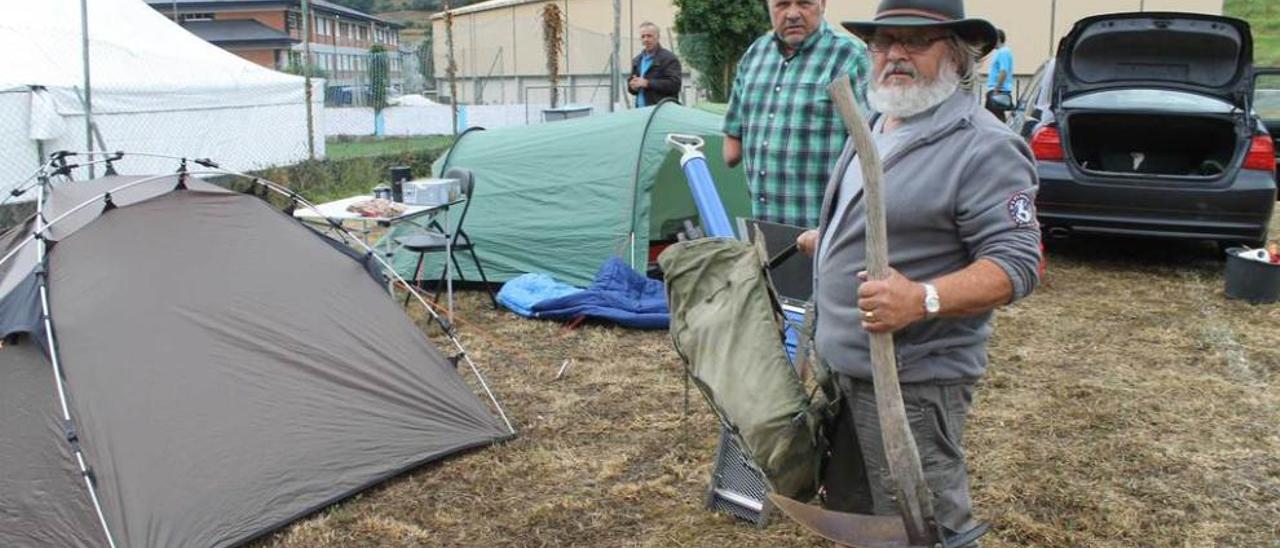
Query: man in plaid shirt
x=781 y=119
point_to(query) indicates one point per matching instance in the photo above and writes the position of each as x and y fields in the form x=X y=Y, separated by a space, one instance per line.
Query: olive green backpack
x=727 y=326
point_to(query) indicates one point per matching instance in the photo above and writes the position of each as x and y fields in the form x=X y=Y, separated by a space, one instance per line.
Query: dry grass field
x=1128 y=404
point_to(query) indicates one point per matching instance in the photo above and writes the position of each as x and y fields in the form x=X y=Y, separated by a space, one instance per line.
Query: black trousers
x=856 y=478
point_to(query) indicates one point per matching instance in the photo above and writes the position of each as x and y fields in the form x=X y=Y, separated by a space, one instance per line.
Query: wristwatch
x=932 y=304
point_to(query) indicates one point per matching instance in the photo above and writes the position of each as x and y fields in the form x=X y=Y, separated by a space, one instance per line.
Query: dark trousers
x=856 y=478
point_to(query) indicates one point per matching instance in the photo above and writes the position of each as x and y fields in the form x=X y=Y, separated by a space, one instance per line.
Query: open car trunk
x=1165 y=144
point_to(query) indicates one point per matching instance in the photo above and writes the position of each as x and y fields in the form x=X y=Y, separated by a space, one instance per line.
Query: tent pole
x=72 y=438
x=88 y=87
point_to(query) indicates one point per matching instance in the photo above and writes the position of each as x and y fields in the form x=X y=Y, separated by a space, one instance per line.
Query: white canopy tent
x=155 y=88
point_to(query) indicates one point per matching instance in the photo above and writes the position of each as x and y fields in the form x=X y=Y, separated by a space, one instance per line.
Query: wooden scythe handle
x=914 y=499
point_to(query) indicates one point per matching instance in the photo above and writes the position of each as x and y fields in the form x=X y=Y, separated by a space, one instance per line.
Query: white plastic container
x=431 y=191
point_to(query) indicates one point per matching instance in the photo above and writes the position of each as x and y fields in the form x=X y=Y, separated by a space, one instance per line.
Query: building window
x=184 y=17
x=293 y=23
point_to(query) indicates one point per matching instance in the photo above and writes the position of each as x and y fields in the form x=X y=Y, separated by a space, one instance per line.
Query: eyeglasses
x=882 y=43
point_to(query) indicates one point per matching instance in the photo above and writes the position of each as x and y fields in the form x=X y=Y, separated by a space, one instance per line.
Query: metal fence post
x=88 y=86
x=306 y=77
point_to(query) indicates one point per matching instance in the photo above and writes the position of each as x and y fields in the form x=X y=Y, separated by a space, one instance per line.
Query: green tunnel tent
x=561 y=198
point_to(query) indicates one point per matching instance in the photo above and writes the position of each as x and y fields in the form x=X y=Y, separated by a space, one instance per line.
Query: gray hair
x=656 y=31
x=966 y=55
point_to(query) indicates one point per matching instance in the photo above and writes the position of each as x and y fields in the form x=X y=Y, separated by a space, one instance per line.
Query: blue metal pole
x=715 y=221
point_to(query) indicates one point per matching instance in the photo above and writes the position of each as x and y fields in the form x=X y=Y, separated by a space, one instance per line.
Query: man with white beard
x=959 y=193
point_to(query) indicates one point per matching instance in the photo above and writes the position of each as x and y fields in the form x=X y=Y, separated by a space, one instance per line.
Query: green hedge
x=325 y=180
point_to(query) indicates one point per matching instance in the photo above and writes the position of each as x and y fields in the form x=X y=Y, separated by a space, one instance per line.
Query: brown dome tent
x=187 y=366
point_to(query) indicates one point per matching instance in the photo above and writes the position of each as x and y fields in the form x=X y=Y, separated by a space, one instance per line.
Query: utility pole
x=614 y=72
x=333 y=77
x=88 y=87
x=1053 y=27
x=306 y=77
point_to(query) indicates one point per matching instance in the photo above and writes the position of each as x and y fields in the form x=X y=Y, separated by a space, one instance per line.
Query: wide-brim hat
x=948 y=14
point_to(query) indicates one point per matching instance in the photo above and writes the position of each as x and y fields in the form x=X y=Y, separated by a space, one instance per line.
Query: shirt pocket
x=811 y=109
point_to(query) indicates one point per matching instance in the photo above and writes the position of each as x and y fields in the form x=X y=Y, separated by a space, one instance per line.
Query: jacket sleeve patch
x=1022 y=210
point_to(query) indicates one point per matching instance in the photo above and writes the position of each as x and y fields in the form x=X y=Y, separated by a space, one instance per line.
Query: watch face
x=931 y=301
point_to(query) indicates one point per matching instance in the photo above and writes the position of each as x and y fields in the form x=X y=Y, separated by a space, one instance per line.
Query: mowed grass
x=1128 y=403
x=343 y=149
x=1264 y=17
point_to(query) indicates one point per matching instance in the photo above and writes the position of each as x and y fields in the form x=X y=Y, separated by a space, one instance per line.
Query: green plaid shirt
x=791 y=133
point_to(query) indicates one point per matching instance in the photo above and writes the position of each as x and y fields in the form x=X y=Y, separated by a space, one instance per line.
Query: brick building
x=269 y=33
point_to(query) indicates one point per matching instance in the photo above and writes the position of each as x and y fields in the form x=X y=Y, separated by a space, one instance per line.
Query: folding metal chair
x=435 y=238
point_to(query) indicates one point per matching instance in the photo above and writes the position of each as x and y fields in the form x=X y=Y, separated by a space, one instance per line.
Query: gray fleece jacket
x=962 y=189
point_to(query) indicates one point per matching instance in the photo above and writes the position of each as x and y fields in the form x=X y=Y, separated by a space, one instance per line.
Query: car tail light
x=1046 y=145
x=1262 y=154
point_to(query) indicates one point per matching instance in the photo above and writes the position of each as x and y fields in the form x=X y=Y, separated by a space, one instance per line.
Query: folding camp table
x=419 y=215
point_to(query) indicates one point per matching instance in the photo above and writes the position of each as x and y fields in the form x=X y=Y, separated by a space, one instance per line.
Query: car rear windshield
x=1150 y=99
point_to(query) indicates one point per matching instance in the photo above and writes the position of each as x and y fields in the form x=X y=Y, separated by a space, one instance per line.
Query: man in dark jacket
x=655 y=73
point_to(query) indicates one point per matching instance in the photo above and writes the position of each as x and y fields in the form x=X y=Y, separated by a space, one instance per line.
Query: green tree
x=553 y=24
x=713 y=36
x=379 y=77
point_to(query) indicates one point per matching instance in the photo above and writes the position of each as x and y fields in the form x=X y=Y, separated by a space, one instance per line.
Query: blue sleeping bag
x=519 y=294
x=618 y=294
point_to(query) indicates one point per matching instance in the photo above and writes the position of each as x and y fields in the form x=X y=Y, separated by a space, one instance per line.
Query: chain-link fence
x=352 y=79
x=501 y=59
x=502 y=73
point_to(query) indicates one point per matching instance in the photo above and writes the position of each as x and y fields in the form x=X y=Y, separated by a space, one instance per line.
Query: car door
x=1030 y=110
x=1266 y=102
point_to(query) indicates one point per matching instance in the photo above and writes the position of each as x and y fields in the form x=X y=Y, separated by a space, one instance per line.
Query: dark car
x=1143 y=125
